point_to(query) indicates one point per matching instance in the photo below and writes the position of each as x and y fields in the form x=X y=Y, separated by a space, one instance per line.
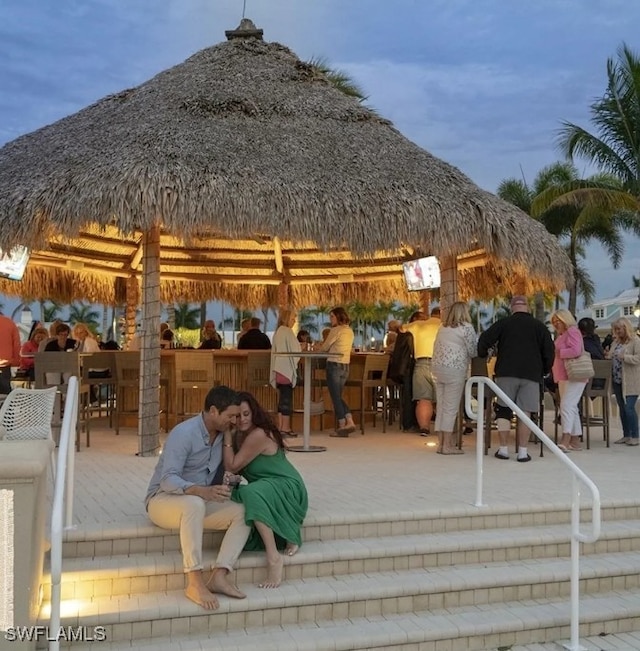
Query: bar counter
x=231 y=367
x=184 y=387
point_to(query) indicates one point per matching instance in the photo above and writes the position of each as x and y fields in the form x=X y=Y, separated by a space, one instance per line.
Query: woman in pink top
x=568 y=344
x=28 y=350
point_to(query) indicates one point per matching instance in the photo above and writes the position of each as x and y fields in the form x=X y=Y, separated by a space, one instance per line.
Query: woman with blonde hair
x=625 y=371
x=455 y=345
x=284 y=368
x=86 y=341
x=568 y=345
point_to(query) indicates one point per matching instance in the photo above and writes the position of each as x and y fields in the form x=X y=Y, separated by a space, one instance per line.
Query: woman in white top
x=339 y=341
x=455 y=345
x=284 y=368
x=86 y=342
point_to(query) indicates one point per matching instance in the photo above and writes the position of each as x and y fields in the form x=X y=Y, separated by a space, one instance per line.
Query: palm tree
x=171 y=315
x=203 y=313
x=49 y=311
x=386 y=310
x=317 y=312
x=616 y=116
x=576 y=211
x=501 y=308
x=520 y=194
x=403 y=312
x=478 y=315
x=84 y=313
x=614 y=148
x=306 y=320
x=186 y=316
x=265 y=314
x=581 y=211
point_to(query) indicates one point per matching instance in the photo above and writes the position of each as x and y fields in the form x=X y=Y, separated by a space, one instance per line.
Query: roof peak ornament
x=246 y=29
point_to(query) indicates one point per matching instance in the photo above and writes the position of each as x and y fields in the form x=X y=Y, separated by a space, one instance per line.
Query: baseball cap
x=518 y=300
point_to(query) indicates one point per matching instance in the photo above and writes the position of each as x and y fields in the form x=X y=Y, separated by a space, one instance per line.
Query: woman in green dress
x=275 y=499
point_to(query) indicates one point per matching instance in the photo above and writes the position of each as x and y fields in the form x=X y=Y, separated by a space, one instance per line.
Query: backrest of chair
x=194 y=368
x=27 y=413
x=375 y=369
x=602 y=368
x=479 y=367
x=258 y=368
x=55 y=368
x=105 y=359
x=127 y=365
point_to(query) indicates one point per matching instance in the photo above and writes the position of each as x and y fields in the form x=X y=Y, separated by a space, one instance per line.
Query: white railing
x=578 y=476
x=62 y=502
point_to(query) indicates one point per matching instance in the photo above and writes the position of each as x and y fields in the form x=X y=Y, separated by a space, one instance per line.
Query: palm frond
x=517 y=192
x=340 y=79
x=558 y=173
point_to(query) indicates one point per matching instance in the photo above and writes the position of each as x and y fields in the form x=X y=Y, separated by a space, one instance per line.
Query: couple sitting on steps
x=187 y=492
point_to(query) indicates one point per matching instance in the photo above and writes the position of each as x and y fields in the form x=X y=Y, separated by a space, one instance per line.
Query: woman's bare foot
x=291 y=549
x=220 y=583
x=274 y=573
x=202 y=596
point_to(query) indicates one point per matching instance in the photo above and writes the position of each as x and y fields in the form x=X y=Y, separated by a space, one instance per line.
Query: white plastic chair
x=26 y=415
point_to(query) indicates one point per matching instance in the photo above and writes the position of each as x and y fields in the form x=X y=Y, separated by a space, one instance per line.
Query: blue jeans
x=336 y=378
x=628 y=415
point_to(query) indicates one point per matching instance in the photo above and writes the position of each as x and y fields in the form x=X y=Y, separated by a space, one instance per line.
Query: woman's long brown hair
x=261 y=418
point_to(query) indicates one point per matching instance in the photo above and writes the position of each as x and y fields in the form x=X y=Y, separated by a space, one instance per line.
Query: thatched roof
x=240 y=144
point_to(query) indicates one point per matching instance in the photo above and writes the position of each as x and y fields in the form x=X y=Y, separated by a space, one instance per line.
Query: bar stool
x=373 y=388
x=194 y=373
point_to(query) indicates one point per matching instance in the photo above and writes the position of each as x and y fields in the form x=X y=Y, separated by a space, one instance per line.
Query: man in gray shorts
x=525 y=356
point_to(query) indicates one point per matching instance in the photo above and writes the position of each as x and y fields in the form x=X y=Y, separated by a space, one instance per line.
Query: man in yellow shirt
x=424 y=332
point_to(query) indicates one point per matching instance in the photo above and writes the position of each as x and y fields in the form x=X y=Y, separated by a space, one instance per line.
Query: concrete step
x=158 y=614
x=480 y=626
x=142 y=573
x=139 y=537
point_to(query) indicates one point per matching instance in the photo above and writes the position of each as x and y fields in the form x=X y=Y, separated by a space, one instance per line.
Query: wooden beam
x=277 y=254
x=137 y=257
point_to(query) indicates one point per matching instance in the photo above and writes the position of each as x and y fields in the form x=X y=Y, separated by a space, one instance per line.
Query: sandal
x=564 y=448
x=290 y=435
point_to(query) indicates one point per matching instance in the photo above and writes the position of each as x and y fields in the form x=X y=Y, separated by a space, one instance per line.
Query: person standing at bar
x=283 y=374
x=424 y=331
x=339 y=341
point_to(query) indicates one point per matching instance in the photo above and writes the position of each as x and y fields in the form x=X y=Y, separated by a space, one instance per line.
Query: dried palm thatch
x=258 y=174
x=243 y=143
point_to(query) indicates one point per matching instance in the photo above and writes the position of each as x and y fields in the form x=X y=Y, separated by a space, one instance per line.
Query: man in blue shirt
x=186 y=493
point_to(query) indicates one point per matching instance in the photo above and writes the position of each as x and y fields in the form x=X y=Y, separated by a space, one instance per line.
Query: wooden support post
x=149 y=403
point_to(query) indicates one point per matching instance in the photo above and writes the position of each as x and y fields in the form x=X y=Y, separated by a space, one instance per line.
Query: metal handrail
x=62 y=502
x=578 y=475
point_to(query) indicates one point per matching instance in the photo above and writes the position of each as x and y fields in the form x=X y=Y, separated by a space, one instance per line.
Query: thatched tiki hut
x=243 y=174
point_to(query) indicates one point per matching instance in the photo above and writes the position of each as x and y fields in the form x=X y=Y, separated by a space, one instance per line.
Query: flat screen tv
x=13 y=263
x=423 y=273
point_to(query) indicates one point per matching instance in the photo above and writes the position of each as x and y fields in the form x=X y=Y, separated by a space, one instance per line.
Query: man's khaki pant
x=192 y=515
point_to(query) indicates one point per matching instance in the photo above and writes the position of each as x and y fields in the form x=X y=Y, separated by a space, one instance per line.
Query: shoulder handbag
x=579 y=368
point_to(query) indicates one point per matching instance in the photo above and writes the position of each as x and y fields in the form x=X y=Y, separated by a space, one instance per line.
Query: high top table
x=306 y=399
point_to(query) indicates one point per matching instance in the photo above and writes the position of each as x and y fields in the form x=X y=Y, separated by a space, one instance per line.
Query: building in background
x=607 y=310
